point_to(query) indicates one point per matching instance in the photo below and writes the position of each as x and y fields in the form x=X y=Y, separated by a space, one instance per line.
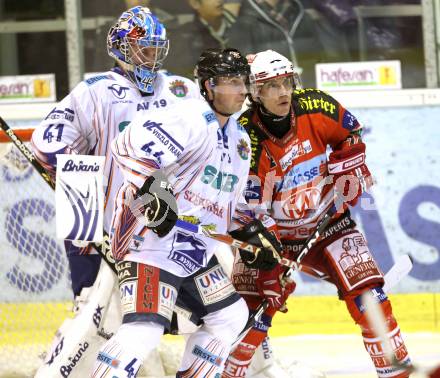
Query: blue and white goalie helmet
x=139 y=44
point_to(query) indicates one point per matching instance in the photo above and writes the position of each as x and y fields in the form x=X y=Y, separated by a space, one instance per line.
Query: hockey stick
x=399 y=270
x=104 y=248
x=296 y=265
x=229 y=240
x=375 y=315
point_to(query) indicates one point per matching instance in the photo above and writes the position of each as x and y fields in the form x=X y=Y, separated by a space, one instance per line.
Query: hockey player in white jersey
x=190 y=160
x=99 y=108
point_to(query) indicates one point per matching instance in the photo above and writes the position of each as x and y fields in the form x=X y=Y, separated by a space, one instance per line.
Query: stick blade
x=397 y=272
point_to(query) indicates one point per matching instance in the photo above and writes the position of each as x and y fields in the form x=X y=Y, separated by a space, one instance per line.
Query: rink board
x=306 y=315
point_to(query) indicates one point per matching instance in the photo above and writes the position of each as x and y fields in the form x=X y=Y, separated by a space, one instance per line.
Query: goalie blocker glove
x=159 y=203
x=270 y=247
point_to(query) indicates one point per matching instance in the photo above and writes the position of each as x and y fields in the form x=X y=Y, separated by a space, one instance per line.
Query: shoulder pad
x=309 y=101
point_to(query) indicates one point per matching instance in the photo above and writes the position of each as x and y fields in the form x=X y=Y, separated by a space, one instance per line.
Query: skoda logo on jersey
x=118 y=90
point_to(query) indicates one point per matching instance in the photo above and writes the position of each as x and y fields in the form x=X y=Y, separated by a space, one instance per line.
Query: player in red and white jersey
x=292 y=180
x=99 y=108
x=191 y=160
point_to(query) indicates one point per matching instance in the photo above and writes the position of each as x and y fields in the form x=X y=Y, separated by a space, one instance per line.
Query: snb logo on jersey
x=214 y=285
x=188 y=252
x=80 y=197
x=219 y=180
x=119 y=91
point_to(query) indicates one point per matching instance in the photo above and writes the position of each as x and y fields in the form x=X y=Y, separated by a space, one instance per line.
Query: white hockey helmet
x=267 y=65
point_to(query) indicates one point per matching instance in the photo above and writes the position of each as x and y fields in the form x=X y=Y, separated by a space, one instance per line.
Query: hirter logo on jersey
x=243 y=149
x=178 y=88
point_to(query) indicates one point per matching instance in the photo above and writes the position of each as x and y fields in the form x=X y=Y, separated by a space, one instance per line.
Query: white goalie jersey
x=207 y=166
x=95 y=112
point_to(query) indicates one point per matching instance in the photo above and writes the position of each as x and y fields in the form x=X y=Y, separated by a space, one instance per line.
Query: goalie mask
x=273 y=71
x=139 y=44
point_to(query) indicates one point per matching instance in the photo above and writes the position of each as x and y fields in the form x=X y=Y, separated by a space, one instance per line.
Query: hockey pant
x=147 y=313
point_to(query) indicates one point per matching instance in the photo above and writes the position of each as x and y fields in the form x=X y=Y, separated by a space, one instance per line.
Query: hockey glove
x=274 y=288
x=351 y=174
x=270 y=247
x=160 y=204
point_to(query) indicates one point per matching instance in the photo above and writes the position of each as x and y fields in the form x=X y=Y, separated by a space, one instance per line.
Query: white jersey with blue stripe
x=206 y=164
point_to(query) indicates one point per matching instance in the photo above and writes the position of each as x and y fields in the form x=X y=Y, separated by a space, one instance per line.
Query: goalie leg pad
x=123 y=354
x=83 y=267
x=372 y=343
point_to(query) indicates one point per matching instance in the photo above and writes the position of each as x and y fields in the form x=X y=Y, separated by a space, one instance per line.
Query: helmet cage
x=138 y=42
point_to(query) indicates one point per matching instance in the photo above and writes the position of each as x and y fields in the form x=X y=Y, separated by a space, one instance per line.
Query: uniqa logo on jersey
x=79 y=197
x=300 y=201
